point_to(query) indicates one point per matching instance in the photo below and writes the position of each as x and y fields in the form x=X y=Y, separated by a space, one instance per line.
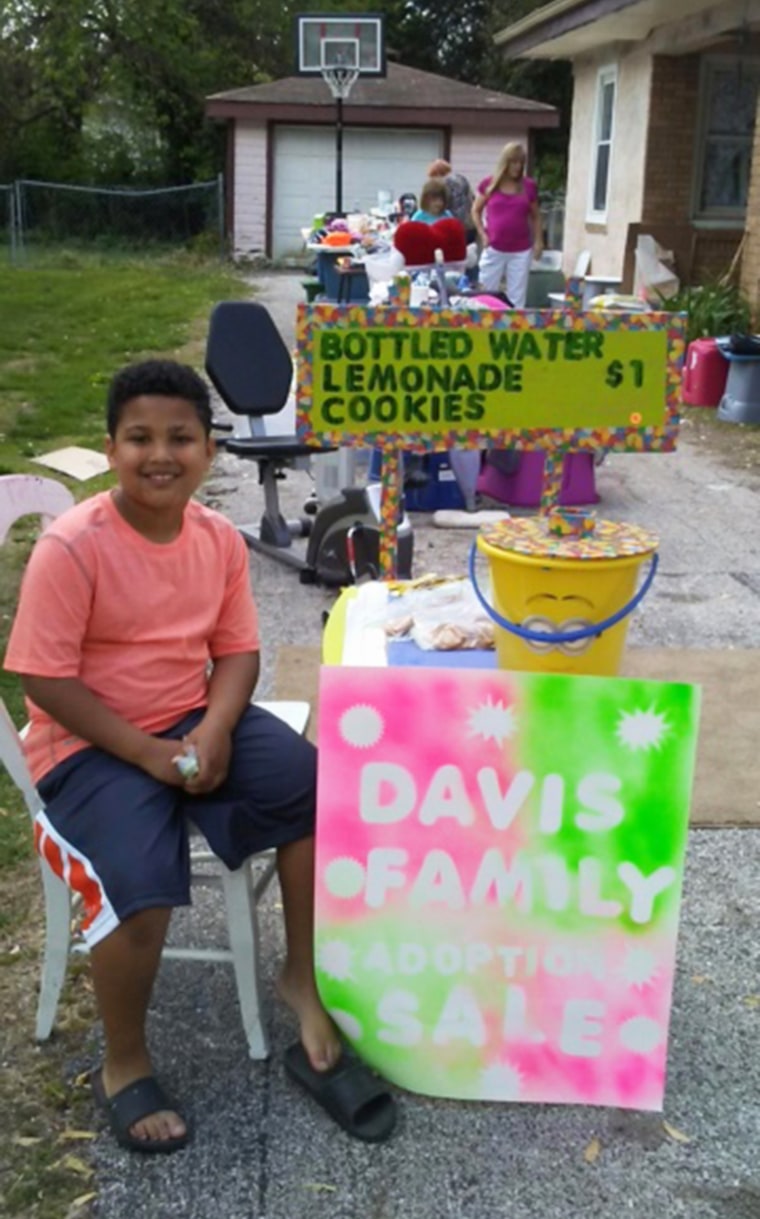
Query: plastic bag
x=440 y=613
x=654 y=278
x=442 y=618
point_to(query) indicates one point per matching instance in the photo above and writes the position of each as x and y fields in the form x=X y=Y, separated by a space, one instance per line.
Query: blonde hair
x=510 y=152
x=439 y=169
x=434 y=188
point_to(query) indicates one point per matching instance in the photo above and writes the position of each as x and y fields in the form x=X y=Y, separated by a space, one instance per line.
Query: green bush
x=712 y=310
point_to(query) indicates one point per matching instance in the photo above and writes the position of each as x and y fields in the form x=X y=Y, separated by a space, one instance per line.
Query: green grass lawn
x=66 y=329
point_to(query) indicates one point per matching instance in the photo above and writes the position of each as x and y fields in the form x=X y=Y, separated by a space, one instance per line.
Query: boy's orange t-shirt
x=135 y=621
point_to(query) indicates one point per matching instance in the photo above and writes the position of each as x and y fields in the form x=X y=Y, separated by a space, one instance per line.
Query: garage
x=281 y=146
x=374 y=159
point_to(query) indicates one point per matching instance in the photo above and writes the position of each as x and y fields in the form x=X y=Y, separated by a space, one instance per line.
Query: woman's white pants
x=495 y=266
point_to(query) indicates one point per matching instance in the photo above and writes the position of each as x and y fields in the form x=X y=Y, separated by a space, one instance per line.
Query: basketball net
x=340 y=81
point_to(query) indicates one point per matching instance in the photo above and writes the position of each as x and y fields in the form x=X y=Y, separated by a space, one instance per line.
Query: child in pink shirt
x=137 y=642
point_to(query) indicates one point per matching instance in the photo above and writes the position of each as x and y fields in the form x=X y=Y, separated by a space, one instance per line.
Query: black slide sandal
x=349 y=1092
x=138 y=1100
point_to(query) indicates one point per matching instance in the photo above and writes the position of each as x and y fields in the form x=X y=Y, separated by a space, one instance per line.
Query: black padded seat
x=252 y=371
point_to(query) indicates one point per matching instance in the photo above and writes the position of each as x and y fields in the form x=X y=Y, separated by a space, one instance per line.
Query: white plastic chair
x=29 y=495
x=582 y=264
x=22 y=495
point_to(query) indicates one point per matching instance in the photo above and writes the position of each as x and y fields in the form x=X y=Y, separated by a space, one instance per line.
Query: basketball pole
x=339 y=156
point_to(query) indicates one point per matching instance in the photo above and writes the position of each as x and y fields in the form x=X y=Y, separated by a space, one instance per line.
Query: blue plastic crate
x=442 y=491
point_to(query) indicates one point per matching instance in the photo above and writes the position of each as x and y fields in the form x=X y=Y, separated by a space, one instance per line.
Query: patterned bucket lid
x=570 y=534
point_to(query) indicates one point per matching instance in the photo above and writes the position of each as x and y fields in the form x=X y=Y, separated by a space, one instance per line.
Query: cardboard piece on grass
x=75 y=461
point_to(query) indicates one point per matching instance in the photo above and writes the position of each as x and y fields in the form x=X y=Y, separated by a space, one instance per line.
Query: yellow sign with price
x=430 y=379
x=379 y=380
x=422 y=377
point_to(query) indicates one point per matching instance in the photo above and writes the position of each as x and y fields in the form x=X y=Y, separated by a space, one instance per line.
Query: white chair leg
x=242 y=922
x=56 y=952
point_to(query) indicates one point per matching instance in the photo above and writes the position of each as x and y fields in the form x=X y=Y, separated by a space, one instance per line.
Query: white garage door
x=374 y=159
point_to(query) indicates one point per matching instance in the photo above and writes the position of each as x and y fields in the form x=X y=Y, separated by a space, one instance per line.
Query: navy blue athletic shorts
x=119 y=837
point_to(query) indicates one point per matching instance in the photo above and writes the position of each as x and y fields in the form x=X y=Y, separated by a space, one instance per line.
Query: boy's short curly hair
x=164 y=378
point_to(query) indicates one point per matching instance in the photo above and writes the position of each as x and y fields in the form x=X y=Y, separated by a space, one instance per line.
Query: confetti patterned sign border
x=313 y=319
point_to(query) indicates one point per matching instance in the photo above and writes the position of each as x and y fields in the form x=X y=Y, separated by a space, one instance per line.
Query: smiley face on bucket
x=554 y=614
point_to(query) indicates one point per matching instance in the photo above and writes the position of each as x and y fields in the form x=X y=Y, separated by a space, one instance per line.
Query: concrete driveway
x=262 y=1151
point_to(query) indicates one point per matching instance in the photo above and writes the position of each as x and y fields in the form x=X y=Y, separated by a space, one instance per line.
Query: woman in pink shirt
x=506 y=216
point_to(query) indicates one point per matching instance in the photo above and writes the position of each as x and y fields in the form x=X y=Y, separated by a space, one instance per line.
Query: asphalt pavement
x=262 y=1150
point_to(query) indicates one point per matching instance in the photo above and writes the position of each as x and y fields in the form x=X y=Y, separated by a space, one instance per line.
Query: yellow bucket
x=563 y=588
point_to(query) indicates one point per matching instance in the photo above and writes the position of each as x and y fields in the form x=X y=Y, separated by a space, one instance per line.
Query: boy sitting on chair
x=137 y=643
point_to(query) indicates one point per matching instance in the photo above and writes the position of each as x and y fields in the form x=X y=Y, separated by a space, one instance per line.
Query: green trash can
x=540 y=284
x=313 y=288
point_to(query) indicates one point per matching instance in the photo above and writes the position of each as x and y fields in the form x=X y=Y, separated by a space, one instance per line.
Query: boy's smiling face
x=161 y=453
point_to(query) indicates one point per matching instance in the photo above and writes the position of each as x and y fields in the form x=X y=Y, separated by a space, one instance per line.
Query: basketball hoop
x=340 y=81
x=339 y=47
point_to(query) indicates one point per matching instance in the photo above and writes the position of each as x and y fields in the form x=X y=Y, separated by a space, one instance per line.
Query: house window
x=604 y=115
x=724 y=156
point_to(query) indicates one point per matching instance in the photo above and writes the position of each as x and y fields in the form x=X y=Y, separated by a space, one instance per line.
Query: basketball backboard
x=348 y=40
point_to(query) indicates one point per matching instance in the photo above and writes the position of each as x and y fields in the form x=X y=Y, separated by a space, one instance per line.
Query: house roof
x=566 y=28
x=404 y=95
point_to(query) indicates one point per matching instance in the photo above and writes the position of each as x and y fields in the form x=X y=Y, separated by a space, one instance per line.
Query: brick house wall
x=750 y=274
x=669 y=180
x=673 y=117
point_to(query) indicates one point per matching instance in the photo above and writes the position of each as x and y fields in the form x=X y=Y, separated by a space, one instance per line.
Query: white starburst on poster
x=492 y=721
x=642 y=729
x=500 y=1081
x=639 y=967
x=334 y=958
x=347 y=1023
x=361 y=726
x=344 y=877
x=641 y=1035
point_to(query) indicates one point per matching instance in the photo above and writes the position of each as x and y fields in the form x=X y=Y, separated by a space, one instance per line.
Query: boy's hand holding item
x=187 y=762
x=211 y=748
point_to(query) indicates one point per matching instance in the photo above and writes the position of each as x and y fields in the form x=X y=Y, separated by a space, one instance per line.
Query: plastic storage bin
x=327 y=273
x=704 y=374
x=523 y=488
x=441 y=490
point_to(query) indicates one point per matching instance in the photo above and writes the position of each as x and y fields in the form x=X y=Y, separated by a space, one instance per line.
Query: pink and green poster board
x=499 y=866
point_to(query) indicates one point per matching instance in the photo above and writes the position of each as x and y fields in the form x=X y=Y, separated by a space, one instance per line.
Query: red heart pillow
x=449 y=236
x=416 y=242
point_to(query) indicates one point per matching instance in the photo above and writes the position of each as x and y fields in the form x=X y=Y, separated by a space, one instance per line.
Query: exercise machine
x=251 y=369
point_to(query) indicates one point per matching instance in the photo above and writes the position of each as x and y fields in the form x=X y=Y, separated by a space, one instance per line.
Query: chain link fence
x=8 y=231
x=37 y=215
